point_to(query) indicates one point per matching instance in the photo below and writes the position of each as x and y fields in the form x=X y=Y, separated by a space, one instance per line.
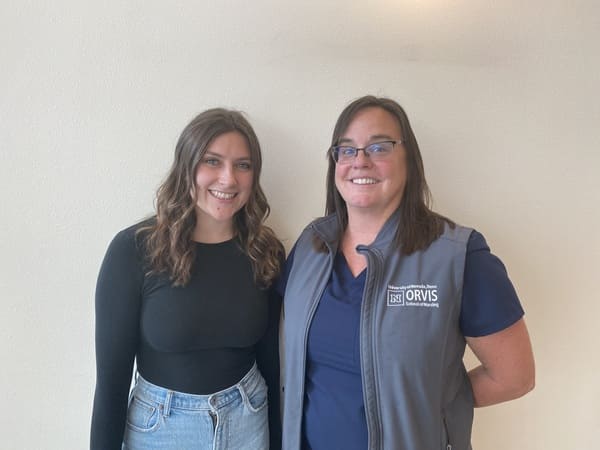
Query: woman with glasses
x=382 y=295
x=185 y=294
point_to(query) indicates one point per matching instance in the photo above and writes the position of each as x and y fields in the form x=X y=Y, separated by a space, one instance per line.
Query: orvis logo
x=425 y=295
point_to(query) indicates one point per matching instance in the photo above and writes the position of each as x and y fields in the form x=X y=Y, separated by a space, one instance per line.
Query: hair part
x=419 y=226
x=167 y=237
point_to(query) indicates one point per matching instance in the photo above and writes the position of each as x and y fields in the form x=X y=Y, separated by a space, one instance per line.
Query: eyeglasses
x=378 y=151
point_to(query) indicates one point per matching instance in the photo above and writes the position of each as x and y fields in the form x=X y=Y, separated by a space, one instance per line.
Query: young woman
x=381 y=296
x=186 y=295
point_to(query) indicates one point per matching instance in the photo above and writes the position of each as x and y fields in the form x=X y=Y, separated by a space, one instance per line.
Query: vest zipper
x=448 y=444
x=372 y=407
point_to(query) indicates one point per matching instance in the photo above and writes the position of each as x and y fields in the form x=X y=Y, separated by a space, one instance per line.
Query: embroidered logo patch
x=424 y=295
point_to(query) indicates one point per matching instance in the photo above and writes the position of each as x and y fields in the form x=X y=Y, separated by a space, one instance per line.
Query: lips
x=222 y=195
x=364 y=181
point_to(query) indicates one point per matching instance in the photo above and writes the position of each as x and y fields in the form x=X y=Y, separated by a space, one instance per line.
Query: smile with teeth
x=364 y=180
x=222 y=195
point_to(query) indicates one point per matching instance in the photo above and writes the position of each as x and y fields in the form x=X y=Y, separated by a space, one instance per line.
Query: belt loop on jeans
x=167 y=405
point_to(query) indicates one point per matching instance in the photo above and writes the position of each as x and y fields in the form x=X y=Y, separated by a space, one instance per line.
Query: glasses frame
x=334 y=149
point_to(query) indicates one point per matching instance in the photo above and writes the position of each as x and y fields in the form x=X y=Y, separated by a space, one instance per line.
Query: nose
x=361 y=159
x=227 y=175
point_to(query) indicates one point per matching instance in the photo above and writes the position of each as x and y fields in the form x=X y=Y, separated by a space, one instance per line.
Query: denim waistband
x=173 y=399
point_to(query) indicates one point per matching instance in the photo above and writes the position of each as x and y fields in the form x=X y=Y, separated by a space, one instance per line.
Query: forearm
x=108 y=419
x=489 y=391
x=115 y=353
x=507 y=369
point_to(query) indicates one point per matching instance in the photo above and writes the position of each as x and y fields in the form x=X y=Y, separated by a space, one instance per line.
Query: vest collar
x=328 y=229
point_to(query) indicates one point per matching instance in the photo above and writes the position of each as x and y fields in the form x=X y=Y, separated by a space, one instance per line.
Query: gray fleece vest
x=417 y=395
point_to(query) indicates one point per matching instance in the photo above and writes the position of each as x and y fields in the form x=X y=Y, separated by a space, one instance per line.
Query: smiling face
x=223 y=183
x=368 y=187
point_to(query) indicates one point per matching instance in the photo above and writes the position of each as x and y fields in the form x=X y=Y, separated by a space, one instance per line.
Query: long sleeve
x=267 y=359
x=118 y=298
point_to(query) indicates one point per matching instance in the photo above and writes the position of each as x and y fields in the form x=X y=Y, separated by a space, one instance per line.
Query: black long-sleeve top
x=199 y=338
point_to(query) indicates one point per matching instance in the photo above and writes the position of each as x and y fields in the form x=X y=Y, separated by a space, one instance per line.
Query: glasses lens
x=344 y=154
x=380 y=150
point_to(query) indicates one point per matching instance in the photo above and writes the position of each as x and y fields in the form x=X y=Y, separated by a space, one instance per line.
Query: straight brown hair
x=419 y=226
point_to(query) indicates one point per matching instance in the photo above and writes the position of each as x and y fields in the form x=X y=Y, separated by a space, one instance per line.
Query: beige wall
x=503 y=97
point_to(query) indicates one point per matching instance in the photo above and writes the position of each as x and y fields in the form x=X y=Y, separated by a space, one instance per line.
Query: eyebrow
x=375 y=137
x=218 y=155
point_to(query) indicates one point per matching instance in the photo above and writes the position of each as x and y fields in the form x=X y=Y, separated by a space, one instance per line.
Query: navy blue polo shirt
x=334 y=416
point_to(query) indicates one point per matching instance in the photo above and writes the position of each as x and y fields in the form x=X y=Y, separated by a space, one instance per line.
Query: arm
x=507 y=369
x=267 y=360
x=493 y=325
x=117 y=323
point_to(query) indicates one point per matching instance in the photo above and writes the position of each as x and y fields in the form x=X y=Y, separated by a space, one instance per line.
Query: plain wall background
x=503 y=97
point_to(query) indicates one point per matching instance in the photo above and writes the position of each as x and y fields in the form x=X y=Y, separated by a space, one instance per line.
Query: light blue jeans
x=232 y=419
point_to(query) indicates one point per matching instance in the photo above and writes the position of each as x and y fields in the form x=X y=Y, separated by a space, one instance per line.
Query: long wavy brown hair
x=167 y=237
x=419 y=225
